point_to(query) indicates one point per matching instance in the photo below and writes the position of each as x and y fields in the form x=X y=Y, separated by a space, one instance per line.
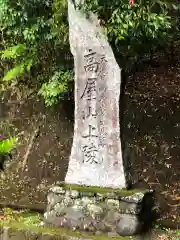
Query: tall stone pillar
x=96 y=157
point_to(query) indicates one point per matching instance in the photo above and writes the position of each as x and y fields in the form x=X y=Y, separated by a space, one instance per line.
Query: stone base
x=97 y=210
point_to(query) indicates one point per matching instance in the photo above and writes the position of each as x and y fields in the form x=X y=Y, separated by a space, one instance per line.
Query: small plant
x=23 y=216
x=7 y=145
x=8 y=214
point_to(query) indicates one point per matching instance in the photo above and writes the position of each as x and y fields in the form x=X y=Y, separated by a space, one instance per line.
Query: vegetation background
x=34 y=40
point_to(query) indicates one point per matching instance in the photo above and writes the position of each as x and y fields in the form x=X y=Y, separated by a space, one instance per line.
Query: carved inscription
x=92 y=67
x=90 y=132
x=90 y=153
x=91 y=63
x=90 y=89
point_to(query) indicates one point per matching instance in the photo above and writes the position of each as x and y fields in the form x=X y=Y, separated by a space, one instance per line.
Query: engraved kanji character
x=90 y=133
x=90 y=153
x=90 y=89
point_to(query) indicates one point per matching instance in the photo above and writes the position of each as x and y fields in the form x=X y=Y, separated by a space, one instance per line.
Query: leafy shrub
x=33 y=33
x=58 y=83
x=136 y=29
x=34 y=38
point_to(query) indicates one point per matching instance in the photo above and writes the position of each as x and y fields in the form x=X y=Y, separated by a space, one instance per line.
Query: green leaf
x=29 y=65
x=56 y=85
x=14 y=73
x=121 y=38
x=13 y=52
x=7 y=145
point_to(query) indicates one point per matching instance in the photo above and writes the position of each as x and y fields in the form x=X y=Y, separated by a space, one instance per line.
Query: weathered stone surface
x=53 y=199
x=135 y=198
x=97 y=212
x=126 y=207
x=112 y=234
x=57 y=189
x=128 y=225
x=74 y=194
x=96 y=157
x=111 y=203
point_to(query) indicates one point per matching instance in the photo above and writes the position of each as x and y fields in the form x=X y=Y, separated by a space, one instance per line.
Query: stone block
x=128 y=225
x=109 y=213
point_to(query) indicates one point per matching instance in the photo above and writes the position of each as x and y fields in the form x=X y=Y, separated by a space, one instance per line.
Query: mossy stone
x=88 y=190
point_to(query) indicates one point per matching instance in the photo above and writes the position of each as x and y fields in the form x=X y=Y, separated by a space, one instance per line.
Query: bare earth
x=152 y=129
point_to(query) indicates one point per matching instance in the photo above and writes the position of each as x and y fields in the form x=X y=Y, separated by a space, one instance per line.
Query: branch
x=31 y=143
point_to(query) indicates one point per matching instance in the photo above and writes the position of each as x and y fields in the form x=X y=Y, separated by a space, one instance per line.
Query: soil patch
x=151 y=128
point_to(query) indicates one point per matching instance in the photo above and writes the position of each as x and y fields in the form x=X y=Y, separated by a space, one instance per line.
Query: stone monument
x=96 y=157
x=93 y=197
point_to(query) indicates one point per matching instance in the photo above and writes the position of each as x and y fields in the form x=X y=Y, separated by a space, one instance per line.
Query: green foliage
x=24 y=216
x=60 y=21
x=34 y=38
x=18 y=71
x=58 y=83
x=13 y=52
x=7 y=145
x=18 y=53
x=33 y=33
x=136 y=30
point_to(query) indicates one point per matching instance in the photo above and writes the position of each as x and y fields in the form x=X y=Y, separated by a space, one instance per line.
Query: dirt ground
x=151 y=127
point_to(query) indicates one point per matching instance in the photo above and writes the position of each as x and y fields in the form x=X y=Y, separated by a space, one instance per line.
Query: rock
x=74 y=214
x=68 y=193
x=94 y=210
x=112 y=217
x=78 y=204
x=74 y=194
x=135 y=198
x=85 y=201
x=102 y=213
x=128 y=225
x=49 y=217
x=129 y=208
x=101 y=226
x=141 y=185
x=100 y=197
x=96 y=157
x=53 y=198
x=60 y=210
x=58 y=190
x=89 y=224
x=112 y=234
x=111 y=203
x=67 y=201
